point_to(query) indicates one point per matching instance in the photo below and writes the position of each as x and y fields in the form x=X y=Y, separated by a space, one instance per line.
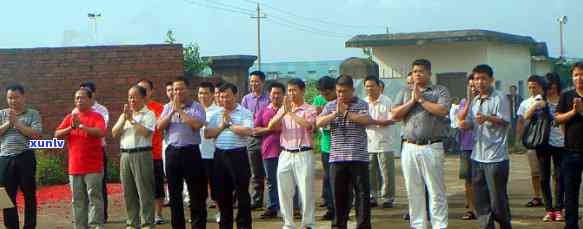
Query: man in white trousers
x=424 y=110
x=296 y=161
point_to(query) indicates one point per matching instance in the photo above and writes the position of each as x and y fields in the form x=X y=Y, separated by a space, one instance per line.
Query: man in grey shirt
x=424 y=109
x=18 y=125
x=489 y=118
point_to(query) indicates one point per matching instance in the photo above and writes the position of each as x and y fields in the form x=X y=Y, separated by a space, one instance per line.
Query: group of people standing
x=218 y=149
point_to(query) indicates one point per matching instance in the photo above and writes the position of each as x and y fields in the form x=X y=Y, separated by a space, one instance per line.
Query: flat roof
x=375 y=40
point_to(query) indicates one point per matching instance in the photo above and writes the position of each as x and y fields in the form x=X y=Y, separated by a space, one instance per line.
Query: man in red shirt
x=157 y=108
x=83 y=131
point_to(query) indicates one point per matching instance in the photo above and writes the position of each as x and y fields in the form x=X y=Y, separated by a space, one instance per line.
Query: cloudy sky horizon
x=298 y=30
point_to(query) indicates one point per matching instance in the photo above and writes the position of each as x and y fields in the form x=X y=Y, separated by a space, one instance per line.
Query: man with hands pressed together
x=83 y=132
x=490 y=120
x=135 y=127
x=296 y=162
x=182 y=119
x=348 y=117
x=424 y=109
x=19 y=125
x=231 y=126
x=570 y=115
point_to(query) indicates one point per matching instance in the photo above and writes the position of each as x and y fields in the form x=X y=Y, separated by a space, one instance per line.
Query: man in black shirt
x=570 y=114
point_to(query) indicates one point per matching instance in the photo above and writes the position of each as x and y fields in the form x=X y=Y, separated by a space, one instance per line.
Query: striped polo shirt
x=12 y=142
x=227 y=139
x=349 y=143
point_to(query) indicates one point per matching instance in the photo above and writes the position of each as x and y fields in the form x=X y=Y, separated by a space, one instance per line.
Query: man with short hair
x=157 y=108
x=515 y=100
x=536 y=90
x=379 y=144
x=466 y=139
x=19 y=125
x=489 y=118
x=424 y=108
x=254 y=102
x=182 y=120
x=296 y=162
x=83 y=131
x=135 y=127
x=570 y=115
x=348 y=117
x=270 y=145
x=102 y=110
x=230 y=126
x=326 y=87
x=207 y=145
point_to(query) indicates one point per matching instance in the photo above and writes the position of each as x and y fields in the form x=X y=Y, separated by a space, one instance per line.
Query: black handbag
x=537 y=131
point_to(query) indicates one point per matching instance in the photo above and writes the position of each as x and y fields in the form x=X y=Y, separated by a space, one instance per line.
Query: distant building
x=307 y=70
x=453 y=54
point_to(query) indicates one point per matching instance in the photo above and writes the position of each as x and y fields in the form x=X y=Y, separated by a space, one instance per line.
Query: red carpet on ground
x=56 y=193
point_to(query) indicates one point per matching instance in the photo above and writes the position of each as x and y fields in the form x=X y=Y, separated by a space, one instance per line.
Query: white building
x=453 y=54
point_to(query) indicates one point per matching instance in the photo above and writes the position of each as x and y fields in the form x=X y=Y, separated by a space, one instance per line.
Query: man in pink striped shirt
x=296 y=161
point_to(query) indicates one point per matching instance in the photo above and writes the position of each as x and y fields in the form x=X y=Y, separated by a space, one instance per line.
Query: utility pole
x=93 y=18
x=259 y=17
x=562 y=21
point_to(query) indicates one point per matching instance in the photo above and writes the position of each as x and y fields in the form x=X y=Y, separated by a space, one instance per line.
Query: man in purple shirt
x=181 y=121
x=254 y=102
x=270 y=147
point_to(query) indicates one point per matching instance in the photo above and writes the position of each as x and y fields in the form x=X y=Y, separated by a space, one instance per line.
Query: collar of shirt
x=273 y=107
x=300 y=108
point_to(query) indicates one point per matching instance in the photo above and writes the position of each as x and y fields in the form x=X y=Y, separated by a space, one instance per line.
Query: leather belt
x=301 y=149
x=423 y=142
x=136 y=150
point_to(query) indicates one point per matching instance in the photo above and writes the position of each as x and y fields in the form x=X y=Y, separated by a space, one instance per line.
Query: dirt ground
x=58 y=215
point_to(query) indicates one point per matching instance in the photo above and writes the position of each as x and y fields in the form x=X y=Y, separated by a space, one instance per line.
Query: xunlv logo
x=46 y=144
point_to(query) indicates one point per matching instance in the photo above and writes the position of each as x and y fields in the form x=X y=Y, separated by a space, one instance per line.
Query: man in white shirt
x=535 y=89
x=135 y=128
x=207 y=145
x=379 y=144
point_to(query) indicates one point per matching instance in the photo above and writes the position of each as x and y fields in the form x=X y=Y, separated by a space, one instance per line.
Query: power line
x=232 y=10
x=308 y=28
x=315 y=32
x=319 y=20
x=274 y=19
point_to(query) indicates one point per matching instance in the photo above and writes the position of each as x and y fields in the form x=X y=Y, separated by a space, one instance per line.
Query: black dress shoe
x=268 y=214
x=328 y=216
x=255 y=206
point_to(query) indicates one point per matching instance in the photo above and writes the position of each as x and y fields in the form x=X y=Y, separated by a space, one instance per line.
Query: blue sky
x=27 y=23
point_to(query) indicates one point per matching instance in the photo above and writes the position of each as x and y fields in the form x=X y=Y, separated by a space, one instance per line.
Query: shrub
x=50 y=169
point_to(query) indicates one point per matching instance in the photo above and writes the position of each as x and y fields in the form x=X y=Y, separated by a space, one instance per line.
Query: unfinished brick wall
x=51 y=76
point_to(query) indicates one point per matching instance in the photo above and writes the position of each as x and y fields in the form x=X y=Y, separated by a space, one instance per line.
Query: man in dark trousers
x=17 y=162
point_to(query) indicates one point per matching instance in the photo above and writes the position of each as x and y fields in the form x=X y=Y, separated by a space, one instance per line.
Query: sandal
x=469 y=215
x=534 y=202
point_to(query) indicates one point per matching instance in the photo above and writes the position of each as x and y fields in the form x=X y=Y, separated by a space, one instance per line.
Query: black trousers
x=232 y=173
x=544 y=159
x=185 y=164
x=572 y=168
x=344 y=178
x=19 y=172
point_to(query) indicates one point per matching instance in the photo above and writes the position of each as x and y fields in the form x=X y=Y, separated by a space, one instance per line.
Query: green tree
x=194 y=64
